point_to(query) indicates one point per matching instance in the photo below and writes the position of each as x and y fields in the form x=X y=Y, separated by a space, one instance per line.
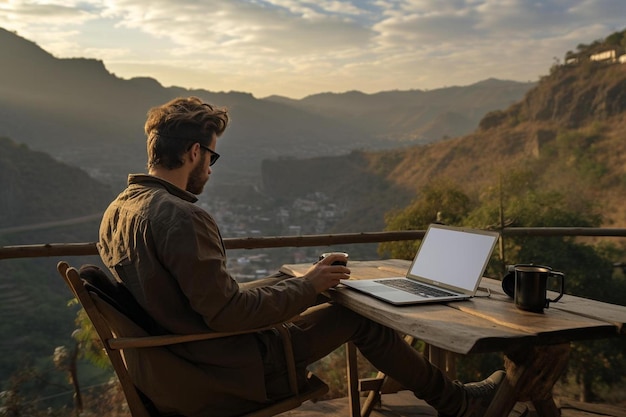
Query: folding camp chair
x=130 y=347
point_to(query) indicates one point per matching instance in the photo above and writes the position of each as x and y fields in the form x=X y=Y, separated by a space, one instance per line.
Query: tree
x=518 y=199
x=441 y=201
x=65 y=360
x=615 y=39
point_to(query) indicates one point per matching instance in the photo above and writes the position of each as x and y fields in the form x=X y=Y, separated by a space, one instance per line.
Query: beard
x=197 y=177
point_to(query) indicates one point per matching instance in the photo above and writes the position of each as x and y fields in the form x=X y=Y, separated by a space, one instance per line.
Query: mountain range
x=80 y=113
x=374 y=150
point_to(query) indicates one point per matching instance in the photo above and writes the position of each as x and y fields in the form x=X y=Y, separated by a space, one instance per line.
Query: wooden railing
x=83 y=249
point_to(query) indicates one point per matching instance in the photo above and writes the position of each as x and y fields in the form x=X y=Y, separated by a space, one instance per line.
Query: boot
x=478 y=396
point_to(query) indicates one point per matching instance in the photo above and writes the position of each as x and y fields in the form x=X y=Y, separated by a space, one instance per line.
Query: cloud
x=28 y=15
x=53 y=24
x=305 y=46
x=464 y=22
x=242 y=27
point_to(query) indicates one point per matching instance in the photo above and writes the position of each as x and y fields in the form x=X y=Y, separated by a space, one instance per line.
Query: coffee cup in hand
x=337 y=262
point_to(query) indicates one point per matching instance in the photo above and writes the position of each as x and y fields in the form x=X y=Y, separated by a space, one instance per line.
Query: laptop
x=448 y=266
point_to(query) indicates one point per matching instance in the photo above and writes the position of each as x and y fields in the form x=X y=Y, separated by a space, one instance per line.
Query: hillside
x=569 y=130
x=38 y=189
x=38 y=194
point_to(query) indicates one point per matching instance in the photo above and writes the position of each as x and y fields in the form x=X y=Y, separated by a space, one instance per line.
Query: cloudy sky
x=298 y=47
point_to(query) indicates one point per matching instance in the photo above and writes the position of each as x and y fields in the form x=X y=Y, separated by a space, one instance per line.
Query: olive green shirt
x=170 y=255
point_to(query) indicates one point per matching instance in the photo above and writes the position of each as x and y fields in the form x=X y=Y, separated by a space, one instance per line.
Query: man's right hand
x=323 y=275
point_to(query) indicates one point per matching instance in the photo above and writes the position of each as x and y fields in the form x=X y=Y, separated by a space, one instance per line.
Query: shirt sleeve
x=194 y=253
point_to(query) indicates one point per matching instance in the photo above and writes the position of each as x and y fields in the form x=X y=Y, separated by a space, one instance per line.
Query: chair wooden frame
x=115 y=345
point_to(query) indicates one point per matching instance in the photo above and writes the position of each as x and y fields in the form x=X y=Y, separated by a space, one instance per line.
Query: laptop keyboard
x=415 y=287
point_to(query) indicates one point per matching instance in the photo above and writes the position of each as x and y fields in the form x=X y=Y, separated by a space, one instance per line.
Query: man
x=170 y=255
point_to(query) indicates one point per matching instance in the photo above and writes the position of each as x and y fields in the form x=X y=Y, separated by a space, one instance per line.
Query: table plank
x=583 y=307
x=464 y=333
x=481 y=324
x=612 y=313
x=551 y=326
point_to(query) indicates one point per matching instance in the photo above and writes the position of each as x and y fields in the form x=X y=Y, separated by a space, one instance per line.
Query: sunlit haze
x=297 y=48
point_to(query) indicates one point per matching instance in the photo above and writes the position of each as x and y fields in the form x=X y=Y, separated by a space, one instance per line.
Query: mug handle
x=561 y=276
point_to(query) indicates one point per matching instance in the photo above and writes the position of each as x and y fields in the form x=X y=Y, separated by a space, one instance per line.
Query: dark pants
x=325 y=327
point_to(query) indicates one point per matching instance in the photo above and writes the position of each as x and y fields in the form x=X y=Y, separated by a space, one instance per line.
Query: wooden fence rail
x=83 y=249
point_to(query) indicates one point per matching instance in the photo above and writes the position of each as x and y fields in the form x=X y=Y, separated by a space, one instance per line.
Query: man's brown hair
x=176 y=125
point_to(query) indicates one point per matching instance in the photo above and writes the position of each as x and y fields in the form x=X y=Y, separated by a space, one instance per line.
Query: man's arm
x=193 y=252
x=263 y=282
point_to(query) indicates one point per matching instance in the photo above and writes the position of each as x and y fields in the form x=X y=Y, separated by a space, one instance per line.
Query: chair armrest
x=172 y=339
x=120 y=343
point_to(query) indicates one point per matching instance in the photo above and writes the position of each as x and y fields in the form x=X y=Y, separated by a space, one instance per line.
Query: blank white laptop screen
x=450 y=261
x=453 y=258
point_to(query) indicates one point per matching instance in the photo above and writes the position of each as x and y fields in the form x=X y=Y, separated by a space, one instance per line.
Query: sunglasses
x=214 y=155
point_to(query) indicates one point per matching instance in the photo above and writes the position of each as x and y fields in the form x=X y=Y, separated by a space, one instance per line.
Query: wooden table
x=536 y=346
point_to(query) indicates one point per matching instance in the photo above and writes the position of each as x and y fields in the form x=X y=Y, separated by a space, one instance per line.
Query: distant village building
x=607 y=57
x=604 y=56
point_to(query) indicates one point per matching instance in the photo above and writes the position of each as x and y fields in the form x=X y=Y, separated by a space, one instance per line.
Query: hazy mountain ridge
x=415 y=115
x=78 y=112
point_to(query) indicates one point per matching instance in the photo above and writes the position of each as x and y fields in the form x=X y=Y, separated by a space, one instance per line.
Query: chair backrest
x=100 y=324
x=152 y=378
x=117 y=295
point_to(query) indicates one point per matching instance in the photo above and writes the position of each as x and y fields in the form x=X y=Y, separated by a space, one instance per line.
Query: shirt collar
x=152 y=181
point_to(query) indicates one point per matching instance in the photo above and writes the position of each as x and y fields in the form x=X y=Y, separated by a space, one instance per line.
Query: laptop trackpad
x=371 y=286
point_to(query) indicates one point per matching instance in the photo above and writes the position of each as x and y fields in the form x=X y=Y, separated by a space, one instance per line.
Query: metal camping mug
x=344 y=263
x=531 y=287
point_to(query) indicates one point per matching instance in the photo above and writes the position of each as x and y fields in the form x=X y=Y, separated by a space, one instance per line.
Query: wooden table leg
x=442 y=359
x=379 y=385
x=353 y=380
x=532 y=372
